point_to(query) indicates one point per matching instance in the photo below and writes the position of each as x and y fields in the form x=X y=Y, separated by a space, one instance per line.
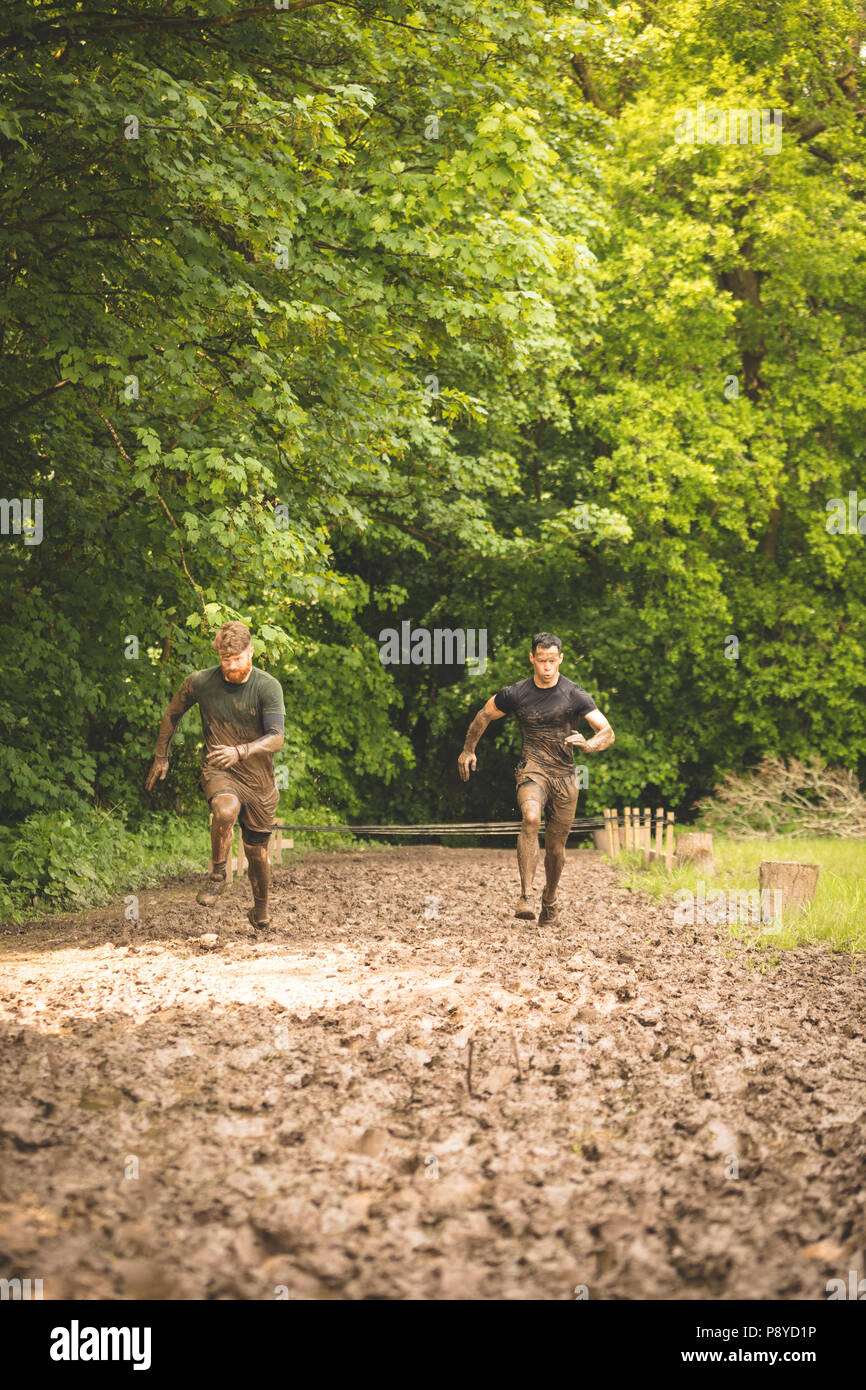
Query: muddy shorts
x=258 y=805
x=558 y=793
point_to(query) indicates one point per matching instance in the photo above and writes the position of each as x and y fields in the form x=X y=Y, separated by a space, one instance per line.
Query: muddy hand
x=466 y=763
x=158 y=769
x=223 y=755
x=577 y=739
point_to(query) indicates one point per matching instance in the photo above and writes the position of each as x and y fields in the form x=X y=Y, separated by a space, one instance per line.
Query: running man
x=242 y=718
x=546 y=705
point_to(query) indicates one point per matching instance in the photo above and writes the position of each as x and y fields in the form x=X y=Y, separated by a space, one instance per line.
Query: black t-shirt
x=546 y=717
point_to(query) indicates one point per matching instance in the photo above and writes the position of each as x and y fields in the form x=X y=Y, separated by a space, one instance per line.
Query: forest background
x=330 y=317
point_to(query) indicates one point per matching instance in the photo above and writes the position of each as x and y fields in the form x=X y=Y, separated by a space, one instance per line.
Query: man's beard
x=237 y=676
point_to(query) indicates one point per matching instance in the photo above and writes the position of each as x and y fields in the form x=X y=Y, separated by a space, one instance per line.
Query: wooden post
x=697 y=847
x=660 y=820
x=797 y=882
x=241 y=862
x=278 y=847
x=647 y=835
x=669 y=842
x=626 y=829
x=614 y=832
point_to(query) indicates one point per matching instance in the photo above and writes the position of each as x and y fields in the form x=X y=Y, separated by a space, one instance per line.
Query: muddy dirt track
x=303 y=1119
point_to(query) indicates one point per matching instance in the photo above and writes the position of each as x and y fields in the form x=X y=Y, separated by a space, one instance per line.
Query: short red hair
x=232 y=639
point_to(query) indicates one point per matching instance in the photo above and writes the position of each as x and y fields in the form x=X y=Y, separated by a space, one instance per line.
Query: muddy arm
x=225 y=755
x=271 y=740
x=604 y=737
x=467 y=762
x=180 y=702
x=177 y=707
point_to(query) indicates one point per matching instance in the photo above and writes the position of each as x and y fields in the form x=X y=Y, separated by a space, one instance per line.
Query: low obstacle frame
x=637 y=834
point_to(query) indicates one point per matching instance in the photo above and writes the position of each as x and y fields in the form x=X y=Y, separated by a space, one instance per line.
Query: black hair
x=546 y=639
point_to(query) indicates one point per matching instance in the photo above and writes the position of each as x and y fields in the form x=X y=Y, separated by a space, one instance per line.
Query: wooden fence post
x=669 y=842
x=647 y=835
x=614 y=832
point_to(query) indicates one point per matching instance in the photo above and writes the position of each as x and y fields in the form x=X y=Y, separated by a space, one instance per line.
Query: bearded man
x=243 y=719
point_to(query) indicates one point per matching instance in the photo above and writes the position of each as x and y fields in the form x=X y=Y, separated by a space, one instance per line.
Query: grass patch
x=836 y=915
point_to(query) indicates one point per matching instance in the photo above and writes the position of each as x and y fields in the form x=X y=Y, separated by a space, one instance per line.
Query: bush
x=64 y=861
x=68 y=860
x=779 y=798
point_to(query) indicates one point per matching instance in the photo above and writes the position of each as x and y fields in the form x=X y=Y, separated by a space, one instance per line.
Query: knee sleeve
x=255 y=837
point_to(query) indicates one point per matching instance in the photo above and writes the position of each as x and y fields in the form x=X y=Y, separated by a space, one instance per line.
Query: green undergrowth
x=836 y=915
x=68 y=861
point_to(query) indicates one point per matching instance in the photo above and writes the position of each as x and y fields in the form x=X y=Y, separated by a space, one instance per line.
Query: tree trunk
x=797 y=881
x=696 y=847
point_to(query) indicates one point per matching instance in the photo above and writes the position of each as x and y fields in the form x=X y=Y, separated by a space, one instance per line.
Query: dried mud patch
x=403 y=1092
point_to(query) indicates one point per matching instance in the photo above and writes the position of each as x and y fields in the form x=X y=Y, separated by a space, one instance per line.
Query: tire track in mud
x=403 y=1092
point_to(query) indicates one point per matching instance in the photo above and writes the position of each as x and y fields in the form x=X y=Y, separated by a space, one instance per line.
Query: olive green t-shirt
x=233 y=714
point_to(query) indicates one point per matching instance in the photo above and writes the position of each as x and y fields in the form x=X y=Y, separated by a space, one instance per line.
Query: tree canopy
x=329 y=317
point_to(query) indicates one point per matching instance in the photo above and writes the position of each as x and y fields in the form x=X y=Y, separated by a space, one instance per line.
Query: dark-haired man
x=546 y=706
x=243 y=718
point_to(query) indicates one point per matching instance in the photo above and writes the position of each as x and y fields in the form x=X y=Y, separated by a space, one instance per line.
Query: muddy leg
x=560 y=817
x=527 y=840
x=225 y=807
x=260 y=878
x=554 y=862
